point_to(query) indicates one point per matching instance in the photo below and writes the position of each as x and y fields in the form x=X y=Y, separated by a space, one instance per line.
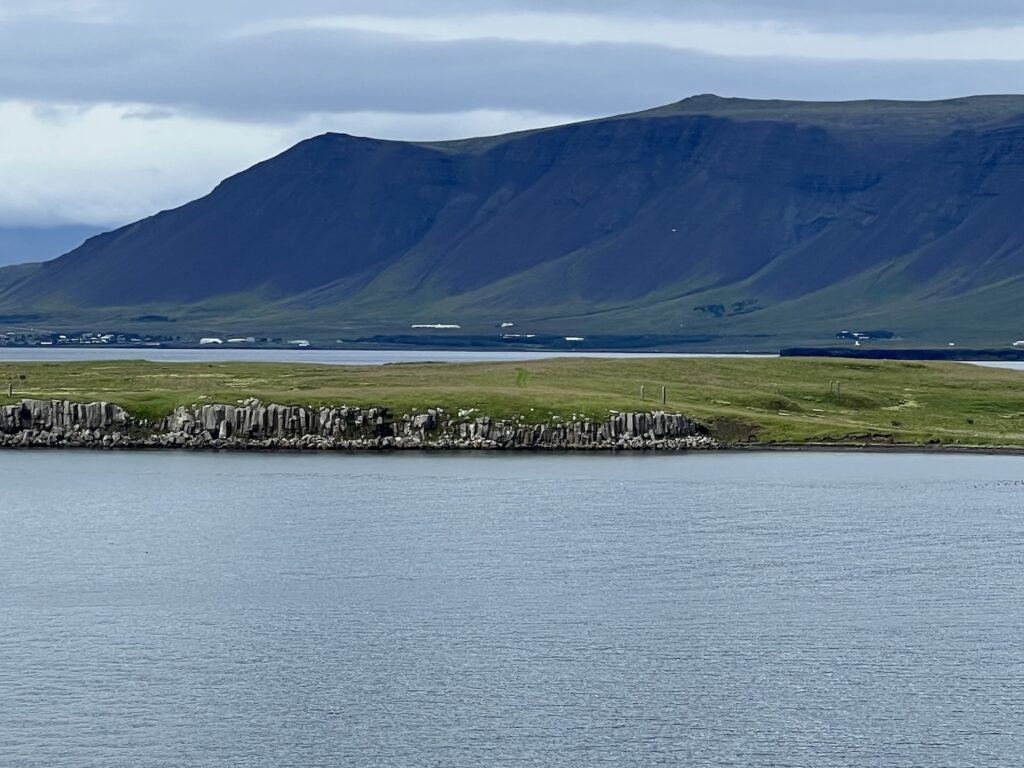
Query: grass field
x=781 y=400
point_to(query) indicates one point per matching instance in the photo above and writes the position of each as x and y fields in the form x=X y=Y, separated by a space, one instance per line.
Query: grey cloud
x=854 y=14
x=279 y=76
x=152 y=113
x=36 y=54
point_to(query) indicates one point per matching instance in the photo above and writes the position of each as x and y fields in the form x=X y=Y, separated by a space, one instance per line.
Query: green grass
x=778 y=400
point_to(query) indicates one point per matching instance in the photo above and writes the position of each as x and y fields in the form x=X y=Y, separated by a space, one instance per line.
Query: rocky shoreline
x=252 y=425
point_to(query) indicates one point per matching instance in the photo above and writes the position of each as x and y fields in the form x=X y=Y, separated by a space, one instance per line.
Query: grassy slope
x=782 y=400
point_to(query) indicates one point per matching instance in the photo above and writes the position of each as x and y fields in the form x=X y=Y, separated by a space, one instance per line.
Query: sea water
x=806 y=609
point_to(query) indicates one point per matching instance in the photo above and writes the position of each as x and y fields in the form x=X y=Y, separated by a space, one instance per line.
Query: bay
x=305 y=356
x=343 y=356
x=811 y=609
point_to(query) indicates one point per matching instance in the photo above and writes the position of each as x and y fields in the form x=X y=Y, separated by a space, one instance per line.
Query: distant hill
x=19 y=245
x=728 y=218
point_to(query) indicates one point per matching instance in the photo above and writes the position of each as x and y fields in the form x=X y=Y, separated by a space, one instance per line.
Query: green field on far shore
x=771 y=400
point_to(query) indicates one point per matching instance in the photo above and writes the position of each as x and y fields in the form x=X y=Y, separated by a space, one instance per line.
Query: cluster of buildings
x=31 y=338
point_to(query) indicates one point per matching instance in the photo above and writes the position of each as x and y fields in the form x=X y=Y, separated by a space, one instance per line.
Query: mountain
x=717 y=218
x=20 y=245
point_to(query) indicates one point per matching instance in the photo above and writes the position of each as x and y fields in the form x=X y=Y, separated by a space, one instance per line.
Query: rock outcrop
x=254 y=425
x=59 y=422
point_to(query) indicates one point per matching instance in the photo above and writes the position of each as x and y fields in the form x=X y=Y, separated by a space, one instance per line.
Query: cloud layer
x=854 y=15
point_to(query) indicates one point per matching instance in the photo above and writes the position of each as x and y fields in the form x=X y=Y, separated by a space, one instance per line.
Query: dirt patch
x=729 y=429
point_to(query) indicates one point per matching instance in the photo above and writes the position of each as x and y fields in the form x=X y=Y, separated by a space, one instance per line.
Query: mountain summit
x=722 y=217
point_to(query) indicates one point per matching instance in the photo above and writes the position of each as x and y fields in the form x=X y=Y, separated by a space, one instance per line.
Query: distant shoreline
x=919 y=448
x=951 y=354
x=428 y=448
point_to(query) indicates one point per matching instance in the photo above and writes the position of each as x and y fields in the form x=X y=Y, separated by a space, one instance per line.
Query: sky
x=111 y=110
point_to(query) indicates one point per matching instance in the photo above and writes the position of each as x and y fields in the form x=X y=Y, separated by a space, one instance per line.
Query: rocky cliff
x=254 y=425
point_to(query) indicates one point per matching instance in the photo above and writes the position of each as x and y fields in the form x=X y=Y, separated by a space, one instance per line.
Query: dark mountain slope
x=949 y=210
x=634 y=220
x=315 y=213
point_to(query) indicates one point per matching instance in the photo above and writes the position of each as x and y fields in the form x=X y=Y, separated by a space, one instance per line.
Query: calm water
x=333 y=356
x=316 y=356
x=745 y=610
x=1011 y=364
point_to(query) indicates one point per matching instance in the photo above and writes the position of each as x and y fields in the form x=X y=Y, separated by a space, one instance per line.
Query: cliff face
x=60 y=419
x=253 y=425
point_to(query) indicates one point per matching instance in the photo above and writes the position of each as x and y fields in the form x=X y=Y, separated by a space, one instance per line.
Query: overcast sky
x=111 y=110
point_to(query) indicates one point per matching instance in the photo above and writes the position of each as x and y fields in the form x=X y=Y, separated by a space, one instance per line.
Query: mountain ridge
x=647 y=222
